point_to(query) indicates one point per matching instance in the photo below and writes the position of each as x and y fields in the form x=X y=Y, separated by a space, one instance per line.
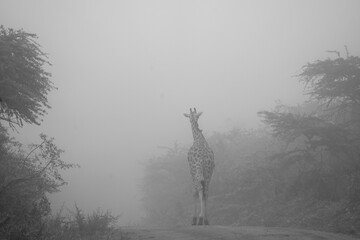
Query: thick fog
x=126 y=71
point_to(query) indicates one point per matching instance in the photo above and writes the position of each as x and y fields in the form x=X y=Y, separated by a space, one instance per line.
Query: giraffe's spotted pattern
x=201 y=163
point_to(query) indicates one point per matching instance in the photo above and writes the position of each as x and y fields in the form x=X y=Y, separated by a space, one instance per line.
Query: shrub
x=78 y=225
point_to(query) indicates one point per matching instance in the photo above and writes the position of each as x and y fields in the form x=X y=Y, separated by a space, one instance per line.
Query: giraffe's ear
x=186 y=115
x=199 y=114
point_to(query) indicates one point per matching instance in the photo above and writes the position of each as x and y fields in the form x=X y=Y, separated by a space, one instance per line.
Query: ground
x=226 y=233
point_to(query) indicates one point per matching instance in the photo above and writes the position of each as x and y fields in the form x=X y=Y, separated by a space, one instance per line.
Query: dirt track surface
x=227 y=233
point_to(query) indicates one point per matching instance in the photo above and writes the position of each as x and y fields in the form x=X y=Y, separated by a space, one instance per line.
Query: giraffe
x=201 y=163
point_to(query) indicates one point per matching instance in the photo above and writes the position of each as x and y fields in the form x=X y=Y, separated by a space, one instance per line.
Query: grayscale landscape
x=117 y=116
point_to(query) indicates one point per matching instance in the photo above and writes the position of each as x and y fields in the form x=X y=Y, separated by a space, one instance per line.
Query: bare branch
x=25 y=179
x=34 y=149
x=334 y=51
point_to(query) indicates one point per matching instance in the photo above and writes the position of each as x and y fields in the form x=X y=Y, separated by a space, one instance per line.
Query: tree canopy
x=334 y=86
x=26 y=175
x=324 y=139
x=24 y=82
x=333 y=81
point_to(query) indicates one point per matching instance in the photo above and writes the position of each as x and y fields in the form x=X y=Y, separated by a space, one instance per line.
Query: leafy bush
x=26 y=177
x=77 y=225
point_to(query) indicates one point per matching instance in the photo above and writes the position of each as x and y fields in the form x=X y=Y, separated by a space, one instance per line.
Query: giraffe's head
x=194 y=116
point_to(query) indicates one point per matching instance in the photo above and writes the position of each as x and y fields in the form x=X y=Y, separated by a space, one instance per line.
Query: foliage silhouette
x=24 y=81
x=301 y=170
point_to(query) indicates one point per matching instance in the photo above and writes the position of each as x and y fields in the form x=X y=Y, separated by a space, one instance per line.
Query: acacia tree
x=26 y=176
x=24 y=82
x=326 y=139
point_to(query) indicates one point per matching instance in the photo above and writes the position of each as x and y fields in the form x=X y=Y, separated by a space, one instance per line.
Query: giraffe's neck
x=197 y=133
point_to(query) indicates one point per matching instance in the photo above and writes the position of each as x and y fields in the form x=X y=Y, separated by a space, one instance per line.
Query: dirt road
x=227 y=233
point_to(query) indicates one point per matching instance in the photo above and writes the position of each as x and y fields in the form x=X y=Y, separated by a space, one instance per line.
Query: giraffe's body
x=201 y=163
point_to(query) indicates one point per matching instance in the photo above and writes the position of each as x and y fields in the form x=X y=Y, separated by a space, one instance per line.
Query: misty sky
x=127 y=70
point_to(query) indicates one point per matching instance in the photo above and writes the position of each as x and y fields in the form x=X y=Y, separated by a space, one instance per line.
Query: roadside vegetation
x=28 y=174
x=301 y=169
x=75 y=224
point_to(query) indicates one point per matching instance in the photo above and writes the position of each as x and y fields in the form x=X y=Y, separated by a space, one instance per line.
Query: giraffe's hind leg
x=206 y=221
x=200 y=221
x=195 y=218
x=202 y=215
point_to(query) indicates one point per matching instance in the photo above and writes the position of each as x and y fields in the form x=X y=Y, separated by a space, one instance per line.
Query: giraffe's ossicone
x=201 y=163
